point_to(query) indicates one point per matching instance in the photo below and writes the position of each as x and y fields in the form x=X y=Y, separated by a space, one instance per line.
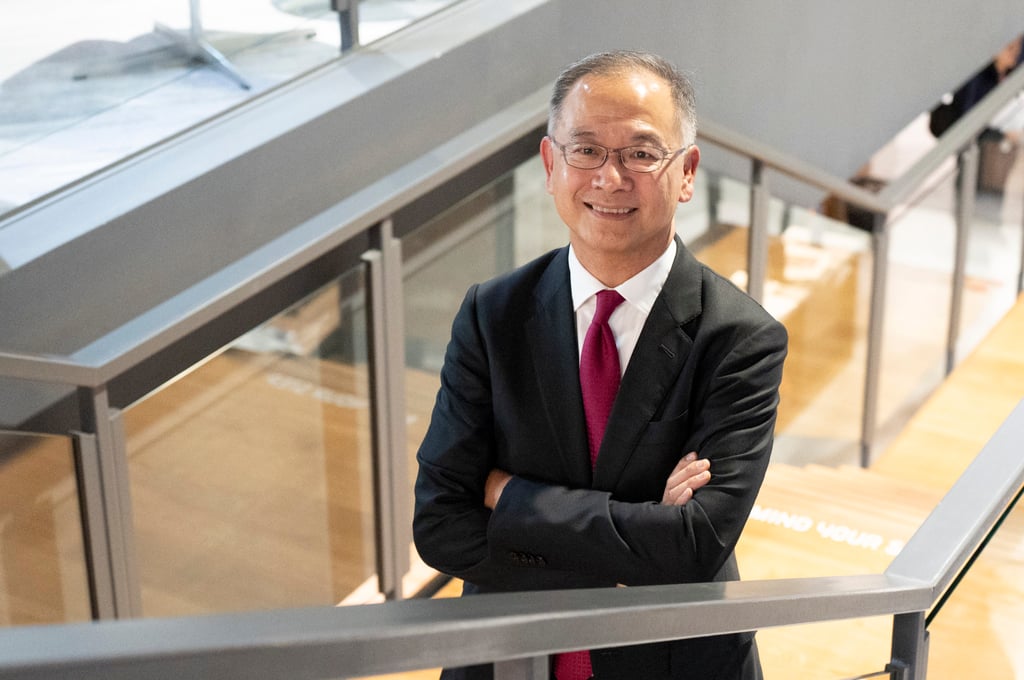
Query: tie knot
x=607 y=301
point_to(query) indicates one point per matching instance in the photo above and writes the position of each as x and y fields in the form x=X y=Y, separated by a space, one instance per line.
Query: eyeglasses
x=586 y=156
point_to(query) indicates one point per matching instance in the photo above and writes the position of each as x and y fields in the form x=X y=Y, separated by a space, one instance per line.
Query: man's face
x=617 y=215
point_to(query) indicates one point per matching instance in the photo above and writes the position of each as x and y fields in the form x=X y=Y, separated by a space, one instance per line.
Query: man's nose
x=612 y=173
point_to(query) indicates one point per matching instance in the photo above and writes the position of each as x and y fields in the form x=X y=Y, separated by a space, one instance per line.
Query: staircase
x=819 y=521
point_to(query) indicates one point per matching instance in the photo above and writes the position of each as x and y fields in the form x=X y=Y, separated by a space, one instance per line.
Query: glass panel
x=86 y=84
x=978 y=631
x=501 y=226
x=833 y=650
x=251 y=474
x=817 y=285
x=43 y=577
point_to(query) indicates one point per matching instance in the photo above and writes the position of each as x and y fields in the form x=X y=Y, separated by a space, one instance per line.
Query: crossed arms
x=689 y=474
x=492 y=508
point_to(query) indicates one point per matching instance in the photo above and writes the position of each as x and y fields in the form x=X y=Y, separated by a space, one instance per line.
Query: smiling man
x=606 y=412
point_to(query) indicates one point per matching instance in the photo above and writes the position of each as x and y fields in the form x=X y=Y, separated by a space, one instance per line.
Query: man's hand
x=495 y=484
x=688 y=475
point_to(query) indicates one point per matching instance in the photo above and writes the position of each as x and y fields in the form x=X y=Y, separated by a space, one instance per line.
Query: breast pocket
x=667 y=430
x=658 y=449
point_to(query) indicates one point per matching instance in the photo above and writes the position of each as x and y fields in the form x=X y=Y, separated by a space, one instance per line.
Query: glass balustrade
x=817 y=284
x=976 y=631
x=42 y=554
x=251 y=474
x=83 y=86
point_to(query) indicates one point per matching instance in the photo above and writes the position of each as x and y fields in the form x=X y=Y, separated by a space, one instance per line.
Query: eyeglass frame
x=669 y=157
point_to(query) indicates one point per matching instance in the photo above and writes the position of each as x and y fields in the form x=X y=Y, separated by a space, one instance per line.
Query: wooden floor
x=812 y=521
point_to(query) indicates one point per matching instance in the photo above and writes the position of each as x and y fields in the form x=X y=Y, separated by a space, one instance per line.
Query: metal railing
x=117 y=352
x=888 y=205
x=518 y=631
x=420 y=630
x=366 y=215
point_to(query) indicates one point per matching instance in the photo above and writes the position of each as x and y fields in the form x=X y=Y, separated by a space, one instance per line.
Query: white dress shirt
x=628 y=319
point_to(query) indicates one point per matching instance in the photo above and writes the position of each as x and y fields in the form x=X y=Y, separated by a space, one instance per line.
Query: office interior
x=227 y=283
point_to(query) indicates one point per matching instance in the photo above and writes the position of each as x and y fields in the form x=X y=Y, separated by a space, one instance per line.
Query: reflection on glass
x=817 y=271
x=85 y=85
x=833 y=649
x=978 y=631
x=250 y=474
x=42 y=557
x=501 y=226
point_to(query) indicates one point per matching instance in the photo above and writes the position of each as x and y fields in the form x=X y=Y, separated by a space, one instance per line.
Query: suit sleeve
x=451 y=523
x=645 y=543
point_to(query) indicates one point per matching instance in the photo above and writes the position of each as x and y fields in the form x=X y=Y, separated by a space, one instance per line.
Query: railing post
x=532 y=668
x=757 y=242
x=967 y=183
x=876 y=318
x=1020 y=273
x=387 y=406
x=105 y=499
x=909 y=646
x=348 y=22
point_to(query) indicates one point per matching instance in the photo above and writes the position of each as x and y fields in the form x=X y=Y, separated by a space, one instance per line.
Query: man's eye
x=585 y=151
x=642 y=154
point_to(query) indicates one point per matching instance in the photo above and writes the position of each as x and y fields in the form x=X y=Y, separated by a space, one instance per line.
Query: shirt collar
x=641 y=290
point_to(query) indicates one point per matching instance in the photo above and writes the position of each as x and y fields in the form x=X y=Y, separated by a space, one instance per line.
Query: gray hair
x=619 y=62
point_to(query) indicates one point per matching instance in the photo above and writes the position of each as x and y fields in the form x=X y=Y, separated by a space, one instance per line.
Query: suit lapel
x=661 y=351
x=551 y=334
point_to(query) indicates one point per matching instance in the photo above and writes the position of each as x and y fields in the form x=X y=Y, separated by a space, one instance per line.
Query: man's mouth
x=609 y=211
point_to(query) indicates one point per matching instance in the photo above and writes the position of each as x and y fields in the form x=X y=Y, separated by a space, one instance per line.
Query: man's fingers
x=681 y=498
x=689 y=475
x=689 y=469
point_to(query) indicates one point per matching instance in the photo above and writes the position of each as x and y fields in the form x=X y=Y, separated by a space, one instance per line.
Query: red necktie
x=599 y=370
x=599 y=381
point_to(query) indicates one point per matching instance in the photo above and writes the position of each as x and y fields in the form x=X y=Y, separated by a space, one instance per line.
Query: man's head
x=619 y=158
x=620 y=62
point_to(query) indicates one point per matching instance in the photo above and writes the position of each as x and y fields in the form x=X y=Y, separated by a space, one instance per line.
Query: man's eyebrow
x=649 y=138
x=640 y=138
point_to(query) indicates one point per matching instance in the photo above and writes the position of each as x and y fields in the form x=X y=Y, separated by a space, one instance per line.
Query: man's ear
x=547 y=154
x=691 y=159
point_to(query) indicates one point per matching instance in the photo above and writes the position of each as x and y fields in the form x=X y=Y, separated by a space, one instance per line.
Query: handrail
x=412 y=634
x=399 y=636
x=363 y=640
x=791 y=166
x=119 y=350
x=177 y=317
x=959 y=135
x=951 y=533
x=895 y=192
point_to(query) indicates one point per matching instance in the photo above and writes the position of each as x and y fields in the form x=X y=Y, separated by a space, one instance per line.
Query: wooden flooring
x=814 y=521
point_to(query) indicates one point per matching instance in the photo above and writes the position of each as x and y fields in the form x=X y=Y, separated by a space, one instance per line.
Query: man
x=509 y=496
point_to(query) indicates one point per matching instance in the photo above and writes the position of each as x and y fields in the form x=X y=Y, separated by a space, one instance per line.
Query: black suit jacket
x=704 y=376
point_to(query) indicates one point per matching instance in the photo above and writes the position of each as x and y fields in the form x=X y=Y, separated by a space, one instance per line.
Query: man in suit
x=508 y=496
